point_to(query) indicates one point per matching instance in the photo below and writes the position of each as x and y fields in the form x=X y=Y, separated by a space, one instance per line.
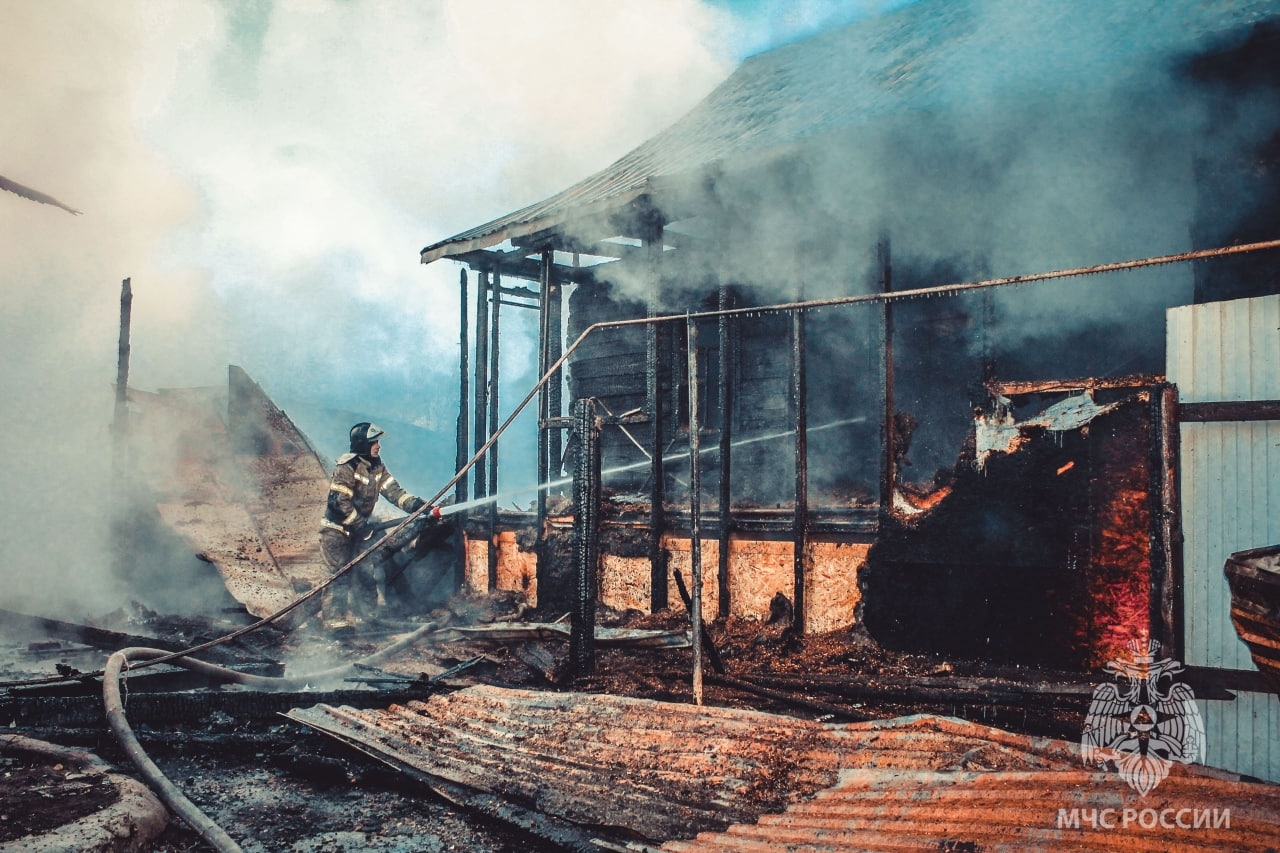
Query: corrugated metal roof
x=931 y=56
x=659 y=771
x=877 y=809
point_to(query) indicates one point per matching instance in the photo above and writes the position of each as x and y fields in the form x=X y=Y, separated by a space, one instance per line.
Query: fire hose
x=169 y=793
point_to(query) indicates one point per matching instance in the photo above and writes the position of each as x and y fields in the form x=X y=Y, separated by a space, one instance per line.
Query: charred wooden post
x=481 y=433
x=553 y=306
x=544 y=400
x=121 y=423
x=799 y=413
x=695 y=508
x=464 y=391
x=586 y=524
x=888 y=451
x=1230 y=410
x=494 y=330
x=1166 y=565
x=122 y=527
x=727 y=359
x=658 y=593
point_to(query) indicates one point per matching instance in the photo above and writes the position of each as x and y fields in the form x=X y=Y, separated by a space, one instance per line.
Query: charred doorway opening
x=1053 y=546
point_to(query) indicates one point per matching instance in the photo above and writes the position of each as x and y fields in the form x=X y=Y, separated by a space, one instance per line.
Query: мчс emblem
x=1144 y=720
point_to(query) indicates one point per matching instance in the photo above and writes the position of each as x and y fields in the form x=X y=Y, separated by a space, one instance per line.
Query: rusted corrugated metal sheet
x=877 y=809
x=658 y=771
x=1227 y=351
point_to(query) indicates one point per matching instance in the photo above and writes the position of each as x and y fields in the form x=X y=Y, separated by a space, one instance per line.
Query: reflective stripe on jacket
x=354 y=491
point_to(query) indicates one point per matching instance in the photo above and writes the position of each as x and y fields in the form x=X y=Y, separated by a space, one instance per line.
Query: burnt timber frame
x=727 y=356
x=658 y=592
x=659 y=337
x=517 y=263
x=586 y=524
x=464 y=391
x=1165 y=533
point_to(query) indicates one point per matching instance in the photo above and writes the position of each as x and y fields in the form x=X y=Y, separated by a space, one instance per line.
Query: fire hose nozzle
x=435 y=512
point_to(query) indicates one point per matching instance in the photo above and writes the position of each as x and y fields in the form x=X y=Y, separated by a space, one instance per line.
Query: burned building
x=879 y=328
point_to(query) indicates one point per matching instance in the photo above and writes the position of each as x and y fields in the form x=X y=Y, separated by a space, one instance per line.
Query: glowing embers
x=1042 y=553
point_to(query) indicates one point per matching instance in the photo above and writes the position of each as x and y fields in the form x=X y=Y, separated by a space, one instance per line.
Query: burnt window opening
x=1049 y=554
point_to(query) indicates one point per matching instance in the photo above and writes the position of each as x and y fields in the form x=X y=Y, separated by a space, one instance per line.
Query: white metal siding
x=1230 y=502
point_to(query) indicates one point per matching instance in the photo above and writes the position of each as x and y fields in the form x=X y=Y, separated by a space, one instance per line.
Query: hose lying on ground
x=169 y=793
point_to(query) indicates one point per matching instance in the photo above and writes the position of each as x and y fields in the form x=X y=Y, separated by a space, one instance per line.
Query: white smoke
x=265 y=174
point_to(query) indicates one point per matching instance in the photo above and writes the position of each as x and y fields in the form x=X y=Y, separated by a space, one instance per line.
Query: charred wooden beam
x=101 y=638
x=799 y=413
x=121 y=419
x=464 y=392
x=704 y=639
x=1062 y=386
x=888 y=455
x=658 y=593
x=727 y=355
x=841 y=711
x=586 y=521
x=520 y=293
x=544 y=403
x=695 y=506
x=553 y=305
x=510 y=264
x=1211 y=682
x=1166 y=551
x=494 y=385
x=482 y=383
x=1229 y=411
x=580 y=236
x=514 y=304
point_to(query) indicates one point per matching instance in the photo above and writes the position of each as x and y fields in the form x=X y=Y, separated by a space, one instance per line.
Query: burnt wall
x=1040 y=558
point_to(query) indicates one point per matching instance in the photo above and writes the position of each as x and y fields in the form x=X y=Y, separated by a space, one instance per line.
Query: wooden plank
x=1229 y=410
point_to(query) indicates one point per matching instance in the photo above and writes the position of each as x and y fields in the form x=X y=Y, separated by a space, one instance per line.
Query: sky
x=265 y=174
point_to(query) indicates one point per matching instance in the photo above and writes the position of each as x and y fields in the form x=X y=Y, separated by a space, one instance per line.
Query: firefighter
x=358 y=479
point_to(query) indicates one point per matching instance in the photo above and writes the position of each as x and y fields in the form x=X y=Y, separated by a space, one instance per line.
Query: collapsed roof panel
x=233 y=476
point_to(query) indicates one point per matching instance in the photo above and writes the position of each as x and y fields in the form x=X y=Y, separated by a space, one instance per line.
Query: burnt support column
x=695 y=510
x=122 y=527
x=493 y=421
x=799 y=412
x=888 y=458
x=120 y=424
x=1166 y=565
x=544 y=400
x=553 y=305
x=727 y=361
x=481 y=433
x=658 y=591
x=464 y=391
x=586 y=525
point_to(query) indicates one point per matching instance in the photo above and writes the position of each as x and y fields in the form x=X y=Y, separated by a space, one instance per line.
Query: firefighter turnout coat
x=353 y=492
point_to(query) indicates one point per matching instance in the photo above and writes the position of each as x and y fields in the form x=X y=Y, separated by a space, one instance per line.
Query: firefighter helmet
x=363 y=435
